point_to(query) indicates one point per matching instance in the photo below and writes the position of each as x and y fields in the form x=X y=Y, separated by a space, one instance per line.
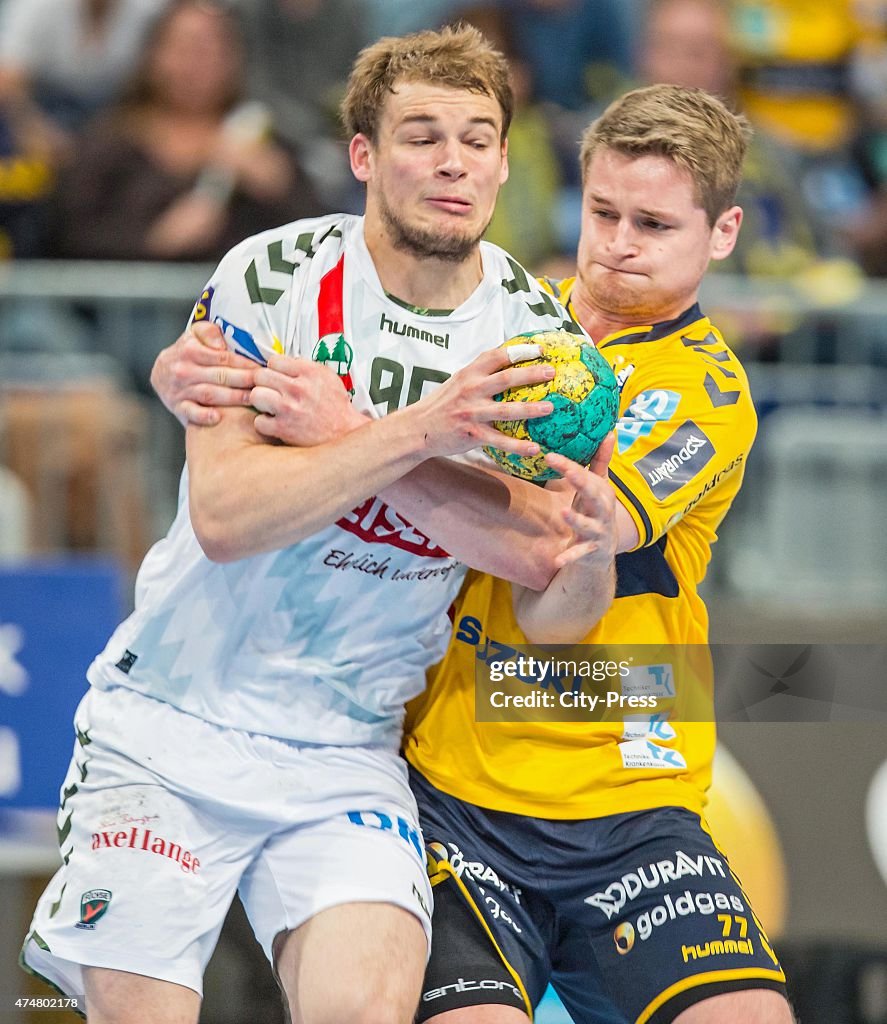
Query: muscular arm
x=247 y=496
x=497 y=524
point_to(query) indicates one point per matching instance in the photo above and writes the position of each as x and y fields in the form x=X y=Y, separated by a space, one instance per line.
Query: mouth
x=621 y=270
x=450 y=204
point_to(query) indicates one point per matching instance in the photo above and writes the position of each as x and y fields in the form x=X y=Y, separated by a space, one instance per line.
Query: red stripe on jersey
x=373 y=521
x=330 y=315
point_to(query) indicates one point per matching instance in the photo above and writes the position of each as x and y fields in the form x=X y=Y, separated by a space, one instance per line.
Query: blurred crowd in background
x=169 y=129
x=164 y=131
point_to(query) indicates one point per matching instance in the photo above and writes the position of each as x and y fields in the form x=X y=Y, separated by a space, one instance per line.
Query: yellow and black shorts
x=631 y=918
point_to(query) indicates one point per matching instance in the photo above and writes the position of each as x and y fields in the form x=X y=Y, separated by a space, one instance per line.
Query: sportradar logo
x=334 y=351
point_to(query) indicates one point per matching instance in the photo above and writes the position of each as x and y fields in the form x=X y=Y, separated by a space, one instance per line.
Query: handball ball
x=585 y=397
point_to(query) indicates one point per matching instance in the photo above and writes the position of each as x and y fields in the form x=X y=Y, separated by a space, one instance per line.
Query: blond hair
x=459 y=57
x=689 y=126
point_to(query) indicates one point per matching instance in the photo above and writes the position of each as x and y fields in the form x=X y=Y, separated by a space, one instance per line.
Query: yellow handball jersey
x=686 y=424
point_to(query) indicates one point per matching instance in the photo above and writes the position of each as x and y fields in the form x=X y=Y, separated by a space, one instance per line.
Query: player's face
x=434 y=169
x=645 y=243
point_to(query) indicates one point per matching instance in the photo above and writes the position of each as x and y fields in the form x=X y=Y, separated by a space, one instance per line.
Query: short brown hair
x=458 y=56
x=689 y=126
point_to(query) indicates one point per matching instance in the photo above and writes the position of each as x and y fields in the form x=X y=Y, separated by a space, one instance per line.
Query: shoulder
x=529 y=306
x=260 y=282
x=690 y=349
x=561 y=288
x=680 y=385
x=269 y=263
x=306 y=236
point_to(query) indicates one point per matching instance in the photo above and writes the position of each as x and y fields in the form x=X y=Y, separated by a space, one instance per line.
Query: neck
x=422 y=280
x=597 y=322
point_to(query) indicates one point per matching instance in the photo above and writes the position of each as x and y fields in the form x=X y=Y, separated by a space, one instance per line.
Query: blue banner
x=54 y=618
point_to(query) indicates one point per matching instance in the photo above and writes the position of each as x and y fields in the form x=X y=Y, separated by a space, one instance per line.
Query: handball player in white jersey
x=242 y=726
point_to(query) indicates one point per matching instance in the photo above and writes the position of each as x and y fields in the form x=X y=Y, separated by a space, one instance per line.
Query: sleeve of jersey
x=253 y=292
x=686 y=422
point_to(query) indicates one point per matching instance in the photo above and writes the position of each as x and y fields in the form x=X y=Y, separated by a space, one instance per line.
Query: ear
x=725 y=233
x=360 y=152
x=503 y=176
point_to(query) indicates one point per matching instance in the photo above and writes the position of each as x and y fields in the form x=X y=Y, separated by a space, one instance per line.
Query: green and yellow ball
x=585 y=397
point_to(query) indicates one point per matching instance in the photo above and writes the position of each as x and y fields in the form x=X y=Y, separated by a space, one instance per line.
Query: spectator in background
x=524 y=222
x=867 y=233
x=688 y=43
x=181 y=169
x=397 y=17
x=576 y=56
x=62 y=60
x=795 y=60
x=27 y=175
x=299 y=55
x=796 y=82
x=578 y=50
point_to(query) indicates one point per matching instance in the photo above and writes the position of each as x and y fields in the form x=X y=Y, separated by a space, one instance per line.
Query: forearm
x=498 y=524
x=248 y=497
x=584 y=585
x=570 y=607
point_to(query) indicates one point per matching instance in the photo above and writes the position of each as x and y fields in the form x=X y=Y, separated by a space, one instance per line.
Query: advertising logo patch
x=623 y=936
x=203 y=306
x=646 y=754
x=240 y=340
x=408 y=831
x=136 y=838
x=676 y=461
x=651 y=876
x=645 y=411
x=93 y=904
x=334 y=351
x=376 y=523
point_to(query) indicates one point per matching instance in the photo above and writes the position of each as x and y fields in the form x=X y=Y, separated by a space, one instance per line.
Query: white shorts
x=164 y=816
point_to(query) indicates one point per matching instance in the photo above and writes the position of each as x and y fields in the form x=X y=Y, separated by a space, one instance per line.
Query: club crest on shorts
x=334 y=351
x=93 y=905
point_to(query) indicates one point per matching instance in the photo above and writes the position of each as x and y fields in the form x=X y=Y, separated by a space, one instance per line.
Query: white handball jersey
x=324 y=641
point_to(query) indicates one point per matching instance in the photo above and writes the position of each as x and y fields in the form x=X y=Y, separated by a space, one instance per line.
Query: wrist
x=402 y=435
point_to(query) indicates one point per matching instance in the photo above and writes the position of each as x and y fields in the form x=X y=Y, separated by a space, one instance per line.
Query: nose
x=452 y=161
x=623 y=240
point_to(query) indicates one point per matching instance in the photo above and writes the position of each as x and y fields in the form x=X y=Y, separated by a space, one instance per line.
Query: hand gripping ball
x=585 y=397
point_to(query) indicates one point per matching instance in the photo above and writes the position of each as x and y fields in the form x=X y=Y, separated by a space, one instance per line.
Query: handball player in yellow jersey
x=577 y=855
